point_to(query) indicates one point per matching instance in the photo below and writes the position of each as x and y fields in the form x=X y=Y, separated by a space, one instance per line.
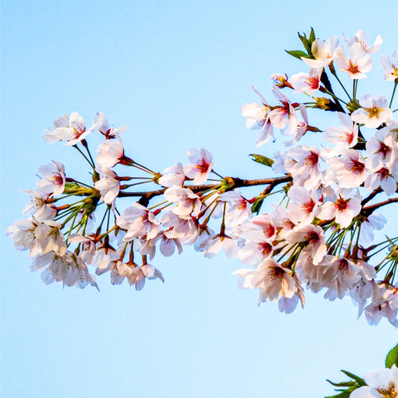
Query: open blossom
x=258 y=119
x=108 y=184
x=373 y=222
x=138 y=221
x=102 y=125
x=343 y=137
x=184 y=227
x=256 y=249
x=381 y=307
x=23 y=233
x=314 y=238
x=200 y=167
x=307 y=82
x=374 y=111
x=173 y=175
x=67 y=269
x=53 y=181
x=239 y=208
x=356 y=64
x=71 y=129
x=274 y=281
x=303 y=205
x=49 y=238
x=38 y=206
x=380 y=383
x=348 y=170
x=306 y=169
x=283 y=116
x=342 y=209
x=339 y=275
x=381 y=149
x=138 y=275
x=302 y=127
x=169 y=242
x=390 y=65
x=322 y=52
x=213 y=245
x=111 y=152
x=187 y=201
x=361 y=38
x=384 y=177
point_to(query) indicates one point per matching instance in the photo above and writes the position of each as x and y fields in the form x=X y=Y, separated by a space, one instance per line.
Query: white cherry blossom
x=200 y=167
x=322 y=52
x=390 y=66
x=53 y=178
x=361 y=38
x=258 y=119
x=374 y=111
x=356 y=64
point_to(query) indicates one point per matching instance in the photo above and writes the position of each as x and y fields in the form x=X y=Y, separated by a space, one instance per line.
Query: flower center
x=374 y=111
x=311 y=159
x=356 y=166
x=383 y=150
x=312 y=238
x=276 y=273
x=313 y=82
x=391 y=392
x=308 y=207
x=353 y=67
x=383 y=173
x=341 y=204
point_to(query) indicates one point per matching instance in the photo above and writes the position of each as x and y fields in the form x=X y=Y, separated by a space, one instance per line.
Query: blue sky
x=177 y=73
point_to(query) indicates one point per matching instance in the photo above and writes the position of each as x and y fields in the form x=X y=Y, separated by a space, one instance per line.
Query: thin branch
x=370 y=209
x=236 y=183
x=371 y=196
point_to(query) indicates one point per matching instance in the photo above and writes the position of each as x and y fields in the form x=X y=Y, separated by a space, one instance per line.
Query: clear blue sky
x=176 y=72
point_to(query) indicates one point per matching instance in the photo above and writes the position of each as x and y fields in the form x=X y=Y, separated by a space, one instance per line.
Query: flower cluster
x=320 y=236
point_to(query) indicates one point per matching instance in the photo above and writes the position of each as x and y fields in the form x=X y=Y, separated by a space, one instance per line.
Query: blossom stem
x=218 y=175
x=85 y=144
x=333 y=71
x=334 y=96
x=85 y=157
x=354 y=88
x=393 y=93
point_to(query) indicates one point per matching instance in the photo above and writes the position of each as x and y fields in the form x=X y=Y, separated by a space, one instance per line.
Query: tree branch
x=233 y=183
x=370 y=209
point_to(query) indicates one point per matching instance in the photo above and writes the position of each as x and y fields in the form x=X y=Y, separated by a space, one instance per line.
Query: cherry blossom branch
x=232 y=183
x=370 y=209
x=371 y=196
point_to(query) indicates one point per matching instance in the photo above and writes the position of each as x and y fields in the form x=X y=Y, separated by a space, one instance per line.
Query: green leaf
x=256 y=207
x=298 y=54
x=304 y=40
x=262 y=159
x=359 y=380
x=392 y=357
x=312 y=38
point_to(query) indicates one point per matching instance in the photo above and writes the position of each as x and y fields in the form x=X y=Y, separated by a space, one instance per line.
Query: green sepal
x=71 y=185
x=312 y=37
x=358 y=379
x=392 y=357
x=256 y=206
x=343 y=383
x=262 y=160
x=304 y=40
x=298 y=54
